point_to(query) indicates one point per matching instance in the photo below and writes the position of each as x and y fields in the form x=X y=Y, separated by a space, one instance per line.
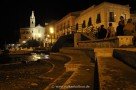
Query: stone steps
x=83 y=70
x=81 y=79
x=104 y=52
x=108 y=73
x=115 y=75
x=58 y=83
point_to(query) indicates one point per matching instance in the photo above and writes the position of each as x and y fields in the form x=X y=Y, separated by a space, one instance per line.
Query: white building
x=32 y=32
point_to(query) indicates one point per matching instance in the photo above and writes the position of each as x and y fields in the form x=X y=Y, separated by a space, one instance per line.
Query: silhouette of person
x=102 y=32
x=119 y=29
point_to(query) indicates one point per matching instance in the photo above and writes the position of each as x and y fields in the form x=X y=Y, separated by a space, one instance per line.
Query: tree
x=31 y=43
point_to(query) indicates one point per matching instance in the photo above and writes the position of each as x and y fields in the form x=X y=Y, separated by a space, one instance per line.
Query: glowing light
x=46 y=57
x=48 y=35
x=36 y=57
x=51 y=30
x=23 y=41
x=13 y=44
x=46 y=39
x=39 y=35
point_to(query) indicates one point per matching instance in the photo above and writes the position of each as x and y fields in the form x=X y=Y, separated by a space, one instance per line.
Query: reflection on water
x=23 y=58
x=35 y=56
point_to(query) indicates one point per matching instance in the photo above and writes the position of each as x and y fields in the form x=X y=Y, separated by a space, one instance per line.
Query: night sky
x=15 y=13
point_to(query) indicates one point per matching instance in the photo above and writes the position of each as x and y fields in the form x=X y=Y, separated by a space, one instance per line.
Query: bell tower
x=32 y=20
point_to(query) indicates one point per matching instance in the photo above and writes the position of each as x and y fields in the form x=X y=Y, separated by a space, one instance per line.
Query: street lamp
x=48 y=35
x=51 y=32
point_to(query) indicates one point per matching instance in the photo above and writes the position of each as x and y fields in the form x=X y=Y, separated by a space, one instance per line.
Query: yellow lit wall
x=103 y=9
x=66 y=25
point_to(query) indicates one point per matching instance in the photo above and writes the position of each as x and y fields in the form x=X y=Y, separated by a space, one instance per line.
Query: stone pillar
x=125 y=40
x=77 y=37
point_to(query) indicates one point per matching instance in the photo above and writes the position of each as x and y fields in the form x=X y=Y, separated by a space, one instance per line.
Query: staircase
x=88 y=33
x=63 y=41
x=107 y=72
x=113 y=71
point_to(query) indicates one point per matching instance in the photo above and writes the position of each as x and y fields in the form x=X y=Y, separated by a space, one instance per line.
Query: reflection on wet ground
x=23 y=58
x=35 y=56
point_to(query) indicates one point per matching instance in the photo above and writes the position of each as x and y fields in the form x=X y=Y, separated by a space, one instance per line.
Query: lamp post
x=51 y=32
x=47 y=40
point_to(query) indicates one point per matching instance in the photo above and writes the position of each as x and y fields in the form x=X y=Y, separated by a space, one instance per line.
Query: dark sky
x=15 y=13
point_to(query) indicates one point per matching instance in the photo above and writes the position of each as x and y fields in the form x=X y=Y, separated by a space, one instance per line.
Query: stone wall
x=112 y=42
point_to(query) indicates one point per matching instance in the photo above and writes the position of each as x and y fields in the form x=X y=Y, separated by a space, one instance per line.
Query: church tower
x=32 y=20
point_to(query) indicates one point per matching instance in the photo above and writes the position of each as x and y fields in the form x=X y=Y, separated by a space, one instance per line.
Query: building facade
x=25 y=34
x=66 y=25
x=133 y=17
x=32 y=32
x=102 y=14
x=96 y=15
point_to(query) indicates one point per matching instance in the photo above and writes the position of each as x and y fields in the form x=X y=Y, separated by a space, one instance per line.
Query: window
x=68 y=25
x=64 y=26
x=111 y=17
x=23 y=32
x=90 y=22
x=125 y=16
x=61 y=27
x=58 y=28
x=77 y=26
x=98 y=19
x=26 y=32
x=83 y=24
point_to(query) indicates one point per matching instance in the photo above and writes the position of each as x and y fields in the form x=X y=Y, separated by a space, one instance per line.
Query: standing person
x=122 y=21
x=119 y=29
x=110 y=31
x=102 y=32
x=129 y=28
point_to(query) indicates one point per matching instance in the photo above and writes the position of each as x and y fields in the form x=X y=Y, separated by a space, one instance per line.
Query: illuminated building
x=32 y=32
x=95 y=15
x=102 y=14
x=48 y=34
x=66 y=25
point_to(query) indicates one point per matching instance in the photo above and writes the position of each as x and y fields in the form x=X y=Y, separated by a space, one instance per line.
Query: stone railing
x=112 y=42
